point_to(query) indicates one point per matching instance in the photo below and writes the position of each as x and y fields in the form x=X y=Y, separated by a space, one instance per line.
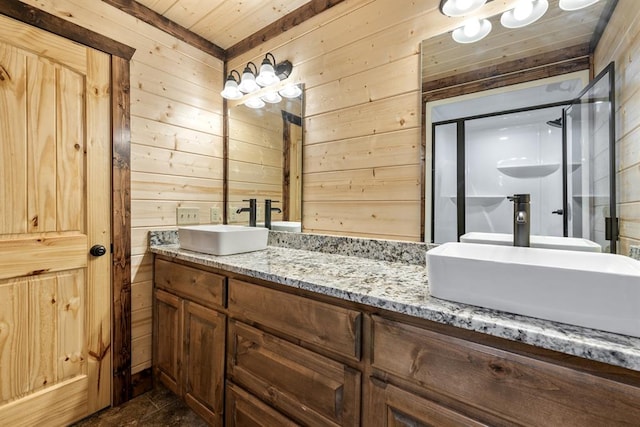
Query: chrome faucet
x=267 y=212
x=252 y=209
x=521 y=219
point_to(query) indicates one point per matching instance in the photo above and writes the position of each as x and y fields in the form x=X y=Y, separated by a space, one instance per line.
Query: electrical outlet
x=215 y=216
x=186 y=216
x=233 y=215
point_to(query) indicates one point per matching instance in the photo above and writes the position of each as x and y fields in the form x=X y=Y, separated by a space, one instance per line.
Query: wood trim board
x=153 y=18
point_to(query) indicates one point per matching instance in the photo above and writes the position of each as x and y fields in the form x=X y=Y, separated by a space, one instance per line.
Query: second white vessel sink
x=546 y=242
x=594 y=290
x=223 y=239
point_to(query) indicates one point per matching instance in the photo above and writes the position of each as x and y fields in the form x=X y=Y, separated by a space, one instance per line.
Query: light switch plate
x=186 y=216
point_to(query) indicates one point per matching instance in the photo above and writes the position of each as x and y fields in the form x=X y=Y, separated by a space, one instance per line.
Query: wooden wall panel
x=623 y=47
x=176 y=134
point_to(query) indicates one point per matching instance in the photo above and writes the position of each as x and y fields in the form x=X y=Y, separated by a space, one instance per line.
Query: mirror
x=264 y=159
x=496 y=75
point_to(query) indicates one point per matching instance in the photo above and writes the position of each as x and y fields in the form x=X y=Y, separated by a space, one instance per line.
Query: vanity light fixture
x=472 y=30
x=231 y=90
x=524 y=13
x=252 y=80
x=248 y=83
x=460 y=7
x=570 y=5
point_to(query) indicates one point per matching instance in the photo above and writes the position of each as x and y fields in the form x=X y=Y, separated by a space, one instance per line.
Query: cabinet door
x=390 y=406
x=245 y=410
x=167 y=338
x=204 y=342
x=308 y=387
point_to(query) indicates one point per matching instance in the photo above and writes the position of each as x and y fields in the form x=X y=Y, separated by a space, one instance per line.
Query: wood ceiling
x=224 y=22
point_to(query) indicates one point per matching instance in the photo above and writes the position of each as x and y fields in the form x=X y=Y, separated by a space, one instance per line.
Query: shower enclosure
x=561 y=153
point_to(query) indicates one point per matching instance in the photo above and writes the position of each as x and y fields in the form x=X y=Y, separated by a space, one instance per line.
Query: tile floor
x=158 y=407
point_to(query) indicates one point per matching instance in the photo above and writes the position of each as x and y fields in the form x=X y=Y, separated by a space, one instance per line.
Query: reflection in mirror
x=265 y=160
x=473 y=93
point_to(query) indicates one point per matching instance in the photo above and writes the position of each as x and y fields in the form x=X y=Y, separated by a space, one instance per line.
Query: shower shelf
x=529 y=171
x=480 y=200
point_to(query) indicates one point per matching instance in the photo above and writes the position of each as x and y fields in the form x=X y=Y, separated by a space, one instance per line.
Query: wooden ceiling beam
x=297 y=17
x=153 y=18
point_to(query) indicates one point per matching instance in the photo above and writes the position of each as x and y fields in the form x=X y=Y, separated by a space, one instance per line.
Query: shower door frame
x=461 y=159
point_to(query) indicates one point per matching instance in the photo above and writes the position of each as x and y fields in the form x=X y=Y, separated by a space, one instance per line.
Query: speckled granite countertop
x=402 y=287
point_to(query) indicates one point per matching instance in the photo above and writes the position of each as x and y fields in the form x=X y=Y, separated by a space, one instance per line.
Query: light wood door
x=55 y=162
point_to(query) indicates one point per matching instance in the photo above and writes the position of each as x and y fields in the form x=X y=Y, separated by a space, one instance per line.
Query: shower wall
x=504 y=155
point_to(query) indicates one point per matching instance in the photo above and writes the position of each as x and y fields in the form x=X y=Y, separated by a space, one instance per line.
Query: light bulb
x=471 y=28
x=463 y=4
x=523 y=10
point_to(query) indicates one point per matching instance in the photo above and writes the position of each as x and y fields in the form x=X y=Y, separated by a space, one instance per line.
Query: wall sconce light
x=460 y=7
x=252 y=80
x=570 y=5
x=267 y=74
x=524 y=13
x=472 y=30
x=272 y=97
x=248 y=83
x=231 y=90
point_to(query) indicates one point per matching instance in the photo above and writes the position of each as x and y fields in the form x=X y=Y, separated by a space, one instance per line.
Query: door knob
x=97 y=250
x=558 y=212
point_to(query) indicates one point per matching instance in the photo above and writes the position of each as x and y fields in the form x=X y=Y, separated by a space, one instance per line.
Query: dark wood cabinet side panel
x=167 y=339
x=244 y=410
x=200 y=286
x=513 y=387
x=304 y=385
x=329 y=326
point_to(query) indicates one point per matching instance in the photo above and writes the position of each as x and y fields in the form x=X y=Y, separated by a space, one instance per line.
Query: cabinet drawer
x=245 y=410
x=334 y=328
x=308 y=387
x=390 y=406
x=516 y=388
x=196 y=285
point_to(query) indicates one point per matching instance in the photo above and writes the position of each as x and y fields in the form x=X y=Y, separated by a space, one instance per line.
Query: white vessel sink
x=594 y=290
x=223 y=239
x=546 y=242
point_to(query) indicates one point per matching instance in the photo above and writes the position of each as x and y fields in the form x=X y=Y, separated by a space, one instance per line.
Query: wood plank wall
x=176 y=132
x=623 y=47
x=360 y=63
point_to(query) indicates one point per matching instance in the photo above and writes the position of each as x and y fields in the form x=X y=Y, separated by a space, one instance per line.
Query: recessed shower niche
x=547 y=138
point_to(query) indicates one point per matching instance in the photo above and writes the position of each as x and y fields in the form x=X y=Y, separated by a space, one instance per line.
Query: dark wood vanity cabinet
x=296 y=358
x=189 y=337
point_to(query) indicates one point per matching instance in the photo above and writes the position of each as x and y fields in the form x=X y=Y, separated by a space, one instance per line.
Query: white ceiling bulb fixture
x=472 y=31
x=524 y=13
x=460 y=7
x=571 y=5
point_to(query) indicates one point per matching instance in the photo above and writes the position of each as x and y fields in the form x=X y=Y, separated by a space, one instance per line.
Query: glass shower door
x=590 y=127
